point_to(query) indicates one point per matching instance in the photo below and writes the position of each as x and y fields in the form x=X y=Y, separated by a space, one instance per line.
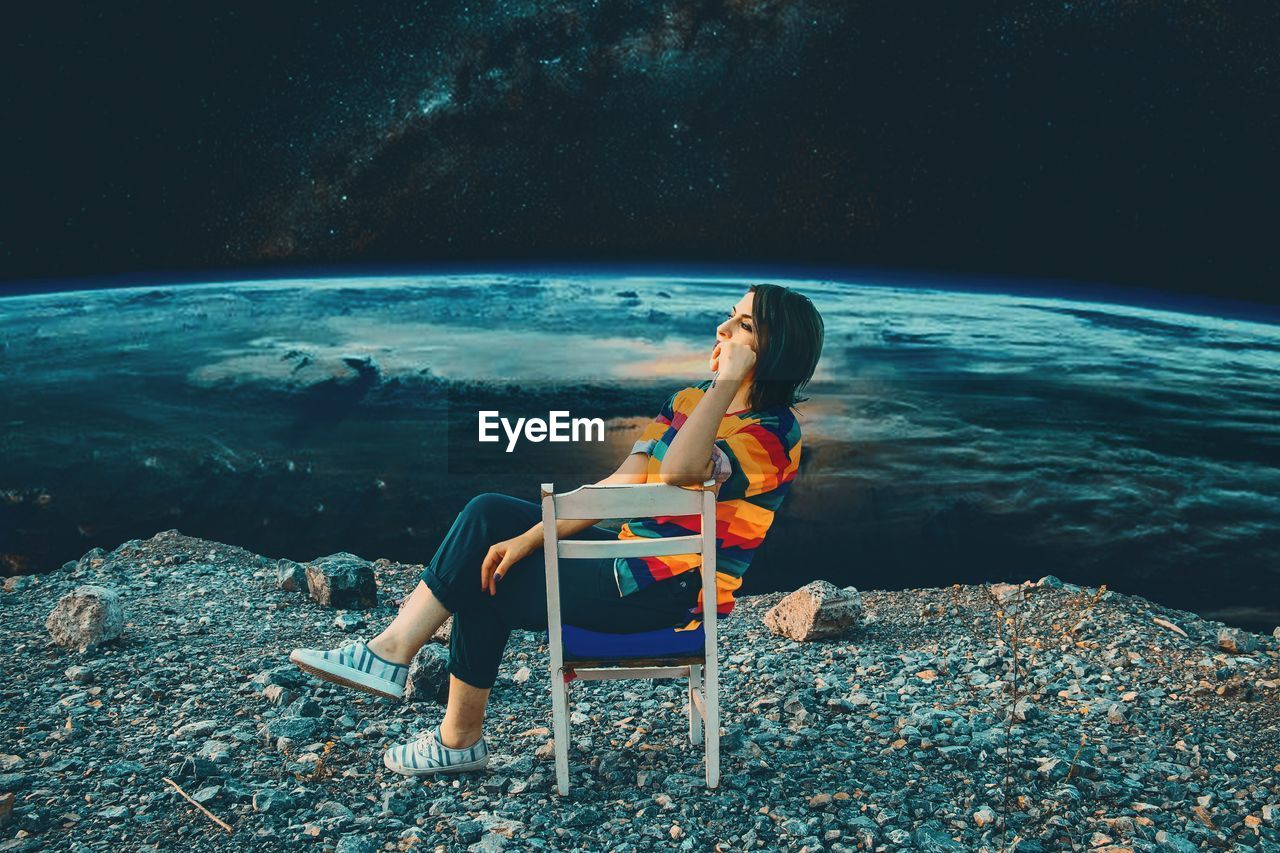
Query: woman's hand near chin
x=732 y=360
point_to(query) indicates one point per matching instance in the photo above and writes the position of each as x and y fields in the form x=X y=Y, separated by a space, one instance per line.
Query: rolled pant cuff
x=468 y=678
x=443 y=594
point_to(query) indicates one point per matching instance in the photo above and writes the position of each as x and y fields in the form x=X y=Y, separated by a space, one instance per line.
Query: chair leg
x=560 y=733
x=711 y=694
x=695 y=716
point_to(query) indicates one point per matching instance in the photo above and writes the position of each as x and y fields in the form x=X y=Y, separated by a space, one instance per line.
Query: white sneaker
x=426 y=755
x=355 y=665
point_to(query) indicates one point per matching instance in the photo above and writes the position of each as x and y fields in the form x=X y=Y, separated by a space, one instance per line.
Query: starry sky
x=1123 y=143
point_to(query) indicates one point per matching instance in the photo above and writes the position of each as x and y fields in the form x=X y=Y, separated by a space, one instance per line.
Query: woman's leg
x=451 y=584
x=419 y=618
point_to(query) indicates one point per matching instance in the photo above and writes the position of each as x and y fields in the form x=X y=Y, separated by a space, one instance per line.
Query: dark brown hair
x=788 y=343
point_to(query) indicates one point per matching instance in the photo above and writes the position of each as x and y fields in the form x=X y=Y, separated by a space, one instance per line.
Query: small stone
x=199 y=729
x=278 y=695
x=1025 y=710
x=348 y=622
x=1237 y=641
x=122 y=769
x=469 y=830
x=17 y=584
x=304 y=729
x=522 y=675
x=1050 y=581
x=1006 y=593
x=285 y=676
x=357 y=844
x=6 y=807
x=216 y=751
x=395 y=803
x=984 y=816
x=79 y=674
x=547 y=750
x=114 y=813
x=1115 y=714
x=304 y=708
x=489 y=843
x=86 y=617
x=676 y=832
x=930 y=836
x=816 y=611
x=818 y=801
x=334 y=809
x=205 y=795
x=1174 y=842
x=194 y=767
x=272 y=801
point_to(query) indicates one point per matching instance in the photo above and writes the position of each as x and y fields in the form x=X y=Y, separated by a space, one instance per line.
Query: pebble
x=80 y=674
x=347 y=621
x=272 y=801
x=199 y=729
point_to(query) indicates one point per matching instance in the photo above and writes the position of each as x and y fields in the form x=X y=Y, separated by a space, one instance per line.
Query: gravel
x=914 y=731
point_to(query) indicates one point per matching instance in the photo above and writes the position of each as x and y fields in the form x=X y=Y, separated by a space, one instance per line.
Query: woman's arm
x=632 y=470
x=688 y=458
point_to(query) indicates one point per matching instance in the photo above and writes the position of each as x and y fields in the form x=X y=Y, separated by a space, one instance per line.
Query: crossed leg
x=419 y=618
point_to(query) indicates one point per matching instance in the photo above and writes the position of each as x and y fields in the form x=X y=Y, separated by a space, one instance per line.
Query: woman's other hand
x=732 y=360
x=501 y=557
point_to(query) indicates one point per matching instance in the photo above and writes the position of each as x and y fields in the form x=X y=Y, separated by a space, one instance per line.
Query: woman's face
x=739 y=326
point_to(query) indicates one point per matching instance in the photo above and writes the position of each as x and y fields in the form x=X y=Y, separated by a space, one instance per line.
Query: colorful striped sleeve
x=657 y=428
x=760 y=457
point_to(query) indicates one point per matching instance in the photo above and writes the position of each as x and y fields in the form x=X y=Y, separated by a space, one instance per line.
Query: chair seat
x=591 y=645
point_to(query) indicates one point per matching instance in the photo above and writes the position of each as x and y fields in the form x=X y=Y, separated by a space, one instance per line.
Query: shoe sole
x=336 y=678
x=478 y=764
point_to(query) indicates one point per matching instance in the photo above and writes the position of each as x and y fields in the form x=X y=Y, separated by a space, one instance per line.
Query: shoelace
x=424 y=740
x=351 y=642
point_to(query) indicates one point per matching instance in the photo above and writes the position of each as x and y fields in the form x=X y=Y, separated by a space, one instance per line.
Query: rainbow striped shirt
x=756 y=456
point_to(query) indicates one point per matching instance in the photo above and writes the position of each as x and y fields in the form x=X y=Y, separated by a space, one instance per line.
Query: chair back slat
x=584 y=549
x=643 y=500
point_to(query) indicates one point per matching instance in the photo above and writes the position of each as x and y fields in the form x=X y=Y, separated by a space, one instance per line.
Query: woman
x=736 y=428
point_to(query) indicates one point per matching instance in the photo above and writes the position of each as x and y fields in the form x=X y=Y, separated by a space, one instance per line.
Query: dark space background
x=1126 y=144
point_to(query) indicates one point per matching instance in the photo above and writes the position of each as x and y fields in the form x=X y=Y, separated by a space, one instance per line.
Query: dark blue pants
x=589 y=595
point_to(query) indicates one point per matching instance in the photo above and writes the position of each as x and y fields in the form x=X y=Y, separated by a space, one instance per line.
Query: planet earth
x=949 y=436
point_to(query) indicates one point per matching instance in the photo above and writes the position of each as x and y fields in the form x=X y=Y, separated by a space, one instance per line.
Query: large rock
x=342 y=580
x=428 y=679
x=86 y=616
x=816 y=611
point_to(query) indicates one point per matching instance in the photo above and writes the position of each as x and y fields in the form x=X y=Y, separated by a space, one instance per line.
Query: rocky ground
x=1124 y=726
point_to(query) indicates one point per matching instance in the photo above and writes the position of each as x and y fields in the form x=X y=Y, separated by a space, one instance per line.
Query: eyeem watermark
x=536 y=429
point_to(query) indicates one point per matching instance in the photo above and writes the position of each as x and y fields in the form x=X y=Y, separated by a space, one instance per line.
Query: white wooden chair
x=592 y=656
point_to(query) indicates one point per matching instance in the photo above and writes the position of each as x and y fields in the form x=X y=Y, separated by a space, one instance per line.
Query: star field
x=1125 y=143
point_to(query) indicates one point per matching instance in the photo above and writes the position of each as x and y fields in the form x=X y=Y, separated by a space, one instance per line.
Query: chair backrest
x=630 y=500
